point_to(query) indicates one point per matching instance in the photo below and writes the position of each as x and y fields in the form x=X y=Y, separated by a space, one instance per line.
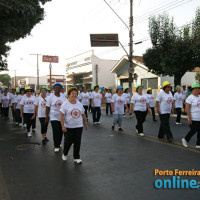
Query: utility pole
x=131 y=69
x=38 y=82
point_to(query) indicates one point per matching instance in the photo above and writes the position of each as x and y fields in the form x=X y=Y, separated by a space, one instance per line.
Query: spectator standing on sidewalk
x=96 y=104
x=193 y=113
x=178 y=101
x=72 y=115
x=151 y=103
x=5 y=102
x=108 y=97
x=39 y=111
x=117 y=104
x=53 y=106
x=165 y=106
x=27 y=109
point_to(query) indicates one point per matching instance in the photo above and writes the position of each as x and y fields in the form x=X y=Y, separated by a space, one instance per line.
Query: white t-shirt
x=96 y=96
x=84 y=97
x=49 y=94
x=54 y=103
x=64 y=94
x=119 y=102
x=12 y=98
x=195 y=107
x=108 y=97
x=165 y=102
x=127 y=96
x=5 y=100
x=1 y=95
x=140 y=102
x=151 y=100
x=40 y=102
x=28 y=104
x=72 y=114
x=18 y=100
x=184 y=93
x=178 y=100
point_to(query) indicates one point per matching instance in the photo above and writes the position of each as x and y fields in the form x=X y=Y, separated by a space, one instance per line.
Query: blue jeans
x=117 y=119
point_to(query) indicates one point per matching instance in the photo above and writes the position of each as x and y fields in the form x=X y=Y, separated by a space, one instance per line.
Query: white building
x=87 y=69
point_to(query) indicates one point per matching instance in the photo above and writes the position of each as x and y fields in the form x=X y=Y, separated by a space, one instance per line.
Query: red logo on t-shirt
x=198 y=103
x=85 y=97
x=97 y=97
x=120 y=101
x=58 y=104
x=170 y=100
x=143 y=100
x=43 y=104
x=75 y=113
x=180 y=99
x=29 y=102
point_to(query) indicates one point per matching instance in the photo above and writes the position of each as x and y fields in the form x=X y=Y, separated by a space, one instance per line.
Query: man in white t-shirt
x=96 y=104
x=108 y=97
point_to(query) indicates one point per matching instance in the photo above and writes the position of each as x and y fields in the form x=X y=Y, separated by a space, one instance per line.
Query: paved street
x=115 y=165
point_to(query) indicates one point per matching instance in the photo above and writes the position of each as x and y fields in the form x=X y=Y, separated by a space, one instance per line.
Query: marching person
x=108 y=97
x=39 y=111
x=5 y=102
x=193 y=113
x=117 y=105
x=71 y=117
x=178 y=100
x=127 y=97
x=96 y=104
x=184 y=94
x=27 y=109
x=151 y=103
x=12 y=97
x=90 y=96
x=1 y=95
x=49 y=92
x=140 y=104
x=53 y=106
x=165 y=106
x=85 y=100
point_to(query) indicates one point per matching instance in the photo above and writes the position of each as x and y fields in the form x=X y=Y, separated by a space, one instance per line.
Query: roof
x=139 y=59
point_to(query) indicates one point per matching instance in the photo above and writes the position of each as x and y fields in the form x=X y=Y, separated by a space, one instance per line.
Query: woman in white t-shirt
x=39 y=111
x=108 y=97
x=53 y=106
x=5 y=101
x=140 y=104
x=84 y=98
x=27 y=109
x=151 y=103
x=165 y=106
x=1 y=94
x=117 y=105
x=193 y=113
x=178 y=100
x=71 y=117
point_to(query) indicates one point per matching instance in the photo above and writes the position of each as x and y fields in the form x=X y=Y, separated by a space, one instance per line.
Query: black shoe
x=155 y=120
x=170 y=140
x=120 y=129
x=113 y=127
x=46 y=139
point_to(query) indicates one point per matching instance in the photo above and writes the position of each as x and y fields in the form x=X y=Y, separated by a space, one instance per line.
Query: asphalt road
x=115 y=165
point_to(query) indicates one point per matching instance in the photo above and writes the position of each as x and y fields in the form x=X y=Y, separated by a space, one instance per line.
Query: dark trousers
x=125 y=107
x=140 y=116
x=14 y=114
x=178 y=112
x=44 y=126
x=107 y=107
x=153 y=113
x=34 y=124
x=18 y=118
x=96 y=114
x=86 y=109
x=164 y=126
x=73 y=136
x=5 y=111
x=194 y=127
x=57 y=133
x=1 y=112
x=29 y=122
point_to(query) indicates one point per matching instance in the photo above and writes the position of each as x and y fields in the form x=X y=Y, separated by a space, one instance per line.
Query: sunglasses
x=29 y=91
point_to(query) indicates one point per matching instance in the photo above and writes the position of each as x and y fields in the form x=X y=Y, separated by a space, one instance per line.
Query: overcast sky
x=67 y=25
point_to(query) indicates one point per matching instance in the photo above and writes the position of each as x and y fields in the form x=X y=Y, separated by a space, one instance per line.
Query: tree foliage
x=5 y=79
x=174 y=50
x=17 y=18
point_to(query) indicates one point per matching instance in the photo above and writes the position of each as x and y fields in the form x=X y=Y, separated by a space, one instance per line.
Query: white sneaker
x=61 y=146
x=141 y=134
x=16 y=123
x=95 y=122
x=56 y=149
x=198 y=146
x=24 y=125
x=64 y=157
x=184 y=142
x=98 y=123
x=29 y=134
x=177 y=123
x=124 y=116
x=20 y=124
x=78 y=161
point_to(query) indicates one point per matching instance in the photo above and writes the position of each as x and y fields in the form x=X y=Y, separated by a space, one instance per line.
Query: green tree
x=17 y=18
x=5 y=79
x=174 y=51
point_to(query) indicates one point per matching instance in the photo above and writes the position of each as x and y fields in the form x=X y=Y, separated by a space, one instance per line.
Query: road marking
x=155 y=139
